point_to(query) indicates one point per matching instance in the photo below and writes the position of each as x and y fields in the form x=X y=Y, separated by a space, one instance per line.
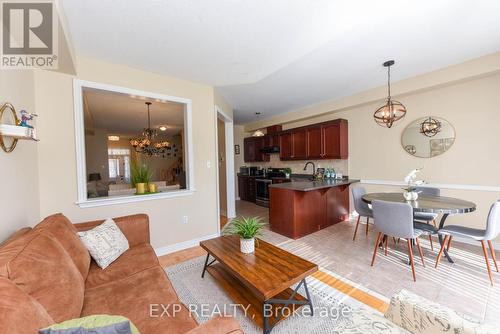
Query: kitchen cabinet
x=271 y=140
x=314 y=142
x=327 y=140
x=299 y=144
x=285 y=142
x=251 y=148
x=293 y=145
x=335 y=137
x=246 y=188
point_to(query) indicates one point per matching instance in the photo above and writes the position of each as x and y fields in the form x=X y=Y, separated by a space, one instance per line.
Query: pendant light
x=392 y=110
x=146 y=143
x=430 y=127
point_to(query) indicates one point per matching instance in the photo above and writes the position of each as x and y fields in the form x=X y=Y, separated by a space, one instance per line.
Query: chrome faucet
x=314 y=167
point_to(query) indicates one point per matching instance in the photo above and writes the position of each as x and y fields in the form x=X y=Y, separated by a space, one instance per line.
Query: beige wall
x=223 y=105
x=375 y=153
x=57 y=160
x=19 y=170
x=221 y=142
x=96 y=153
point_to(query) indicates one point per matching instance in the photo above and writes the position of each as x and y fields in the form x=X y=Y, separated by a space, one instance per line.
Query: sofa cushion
x=19 y=312
x=38 y=264
x=64 y=231
x=141 y=298
x=93 y=324
x=134 y=260
x=19 y=233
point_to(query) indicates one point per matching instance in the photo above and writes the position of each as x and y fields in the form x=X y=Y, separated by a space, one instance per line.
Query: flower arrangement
x=412 y=184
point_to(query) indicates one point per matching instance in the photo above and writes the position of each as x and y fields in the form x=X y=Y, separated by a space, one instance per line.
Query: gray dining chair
x=422 y=218
x=361 y=208
x=491 y=232
x=396 y=220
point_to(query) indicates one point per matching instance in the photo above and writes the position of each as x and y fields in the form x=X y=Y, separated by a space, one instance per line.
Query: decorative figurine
x=25 y=117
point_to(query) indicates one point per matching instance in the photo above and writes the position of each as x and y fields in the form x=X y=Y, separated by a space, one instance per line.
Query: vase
x=410 y=195
x=247 y=246
x=140 y=188
x=152 y=187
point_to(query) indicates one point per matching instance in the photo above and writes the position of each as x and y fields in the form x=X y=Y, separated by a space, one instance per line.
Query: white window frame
x=81 y=165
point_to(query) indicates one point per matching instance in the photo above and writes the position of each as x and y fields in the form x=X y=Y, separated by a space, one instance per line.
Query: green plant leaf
x=245 y=227
x=140 y=173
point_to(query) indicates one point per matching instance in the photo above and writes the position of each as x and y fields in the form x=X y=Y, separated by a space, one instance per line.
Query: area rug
x=335 y=311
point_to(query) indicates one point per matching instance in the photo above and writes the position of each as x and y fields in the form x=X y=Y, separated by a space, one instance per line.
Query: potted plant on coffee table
x=247 y=228
x=141 y=176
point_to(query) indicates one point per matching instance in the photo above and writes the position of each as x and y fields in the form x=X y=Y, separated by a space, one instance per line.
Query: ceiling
x=280 y=55
x=125 y=115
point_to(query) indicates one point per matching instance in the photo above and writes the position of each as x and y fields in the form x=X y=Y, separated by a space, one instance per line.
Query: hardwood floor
x=223 y=221
x=463 y=286
x=181 y=256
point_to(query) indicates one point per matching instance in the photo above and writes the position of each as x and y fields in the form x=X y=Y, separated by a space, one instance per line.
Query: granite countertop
x=312 y=185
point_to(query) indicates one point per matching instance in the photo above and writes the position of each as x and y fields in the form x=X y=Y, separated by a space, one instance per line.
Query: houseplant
x=141 y=176
x=288 y=172
x=247 y=228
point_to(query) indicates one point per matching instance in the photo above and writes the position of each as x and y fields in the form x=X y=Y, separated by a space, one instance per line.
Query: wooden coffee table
x=259 y=282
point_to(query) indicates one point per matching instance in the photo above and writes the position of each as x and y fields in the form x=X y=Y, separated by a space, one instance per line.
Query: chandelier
x=430 y=127
x=392 y=110
x=146 y=143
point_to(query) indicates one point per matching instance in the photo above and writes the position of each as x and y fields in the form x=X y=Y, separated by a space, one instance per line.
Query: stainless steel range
x=272 y=175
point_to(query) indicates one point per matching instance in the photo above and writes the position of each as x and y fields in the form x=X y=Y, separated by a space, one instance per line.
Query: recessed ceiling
x=125 y=115
x=280 y=55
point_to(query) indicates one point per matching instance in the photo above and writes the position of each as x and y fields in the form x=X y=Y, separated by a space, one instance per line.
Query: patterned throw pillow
x=93 y=324
x=421 y=316
x=105 y=242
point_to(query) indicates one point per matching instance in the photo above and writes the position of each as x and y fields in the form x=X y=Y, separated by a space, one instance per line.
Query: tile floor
x=463 y=286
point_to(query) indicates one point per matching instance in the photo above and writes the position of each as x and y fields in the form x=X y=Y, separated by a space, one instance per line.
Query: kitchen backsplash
x=341 y=166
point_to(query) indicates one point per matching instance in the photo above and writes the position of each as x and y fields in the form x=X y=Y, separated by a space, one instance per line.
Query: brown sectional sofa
x=47 y=276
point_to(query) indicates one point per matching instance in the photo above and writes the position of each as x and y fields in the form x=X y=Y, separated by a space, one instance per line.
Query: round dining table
x=428 y=204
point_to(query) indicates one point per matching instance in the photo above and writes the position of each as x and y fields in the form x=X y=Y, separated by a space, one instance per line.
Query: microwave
x=244 y=170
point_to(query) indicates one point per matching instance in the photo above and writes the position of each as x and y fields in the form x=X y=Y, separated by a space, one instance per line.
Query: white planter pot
x=247 y=246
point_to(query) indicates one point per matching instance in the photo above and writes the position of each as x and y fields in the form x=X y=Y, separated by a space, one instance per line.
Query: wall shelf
x=17 y=132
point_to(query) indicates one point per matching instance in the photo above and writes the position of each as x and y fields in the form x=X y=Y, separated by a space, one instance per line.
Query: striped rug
x=328 y=291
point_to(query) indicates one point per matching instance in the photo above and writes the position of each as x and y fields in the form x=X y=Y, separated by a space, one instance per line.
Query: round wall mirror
x=428 y=137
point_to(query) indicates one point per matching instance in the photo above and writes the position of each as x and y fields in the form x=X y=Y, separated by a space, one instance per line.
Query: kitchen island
x=297 y=209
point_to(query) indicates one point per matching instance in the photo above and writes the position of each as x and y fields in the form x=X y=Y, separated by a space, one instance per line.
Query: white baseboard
x=182 y=245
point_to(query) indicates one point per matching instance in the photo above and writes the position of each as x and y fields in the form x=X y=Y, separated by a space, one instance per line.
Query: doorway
x=225 y=168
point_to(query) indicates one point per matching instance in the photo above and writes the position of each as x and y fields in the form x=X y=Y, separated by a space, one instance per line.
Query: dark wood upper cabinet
x=285 y=140
x=328 y=140
x=299 y=144
x=314 y=142
x=271 y=140
x=249 y=149
x=335 y=136
x=252 y=146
